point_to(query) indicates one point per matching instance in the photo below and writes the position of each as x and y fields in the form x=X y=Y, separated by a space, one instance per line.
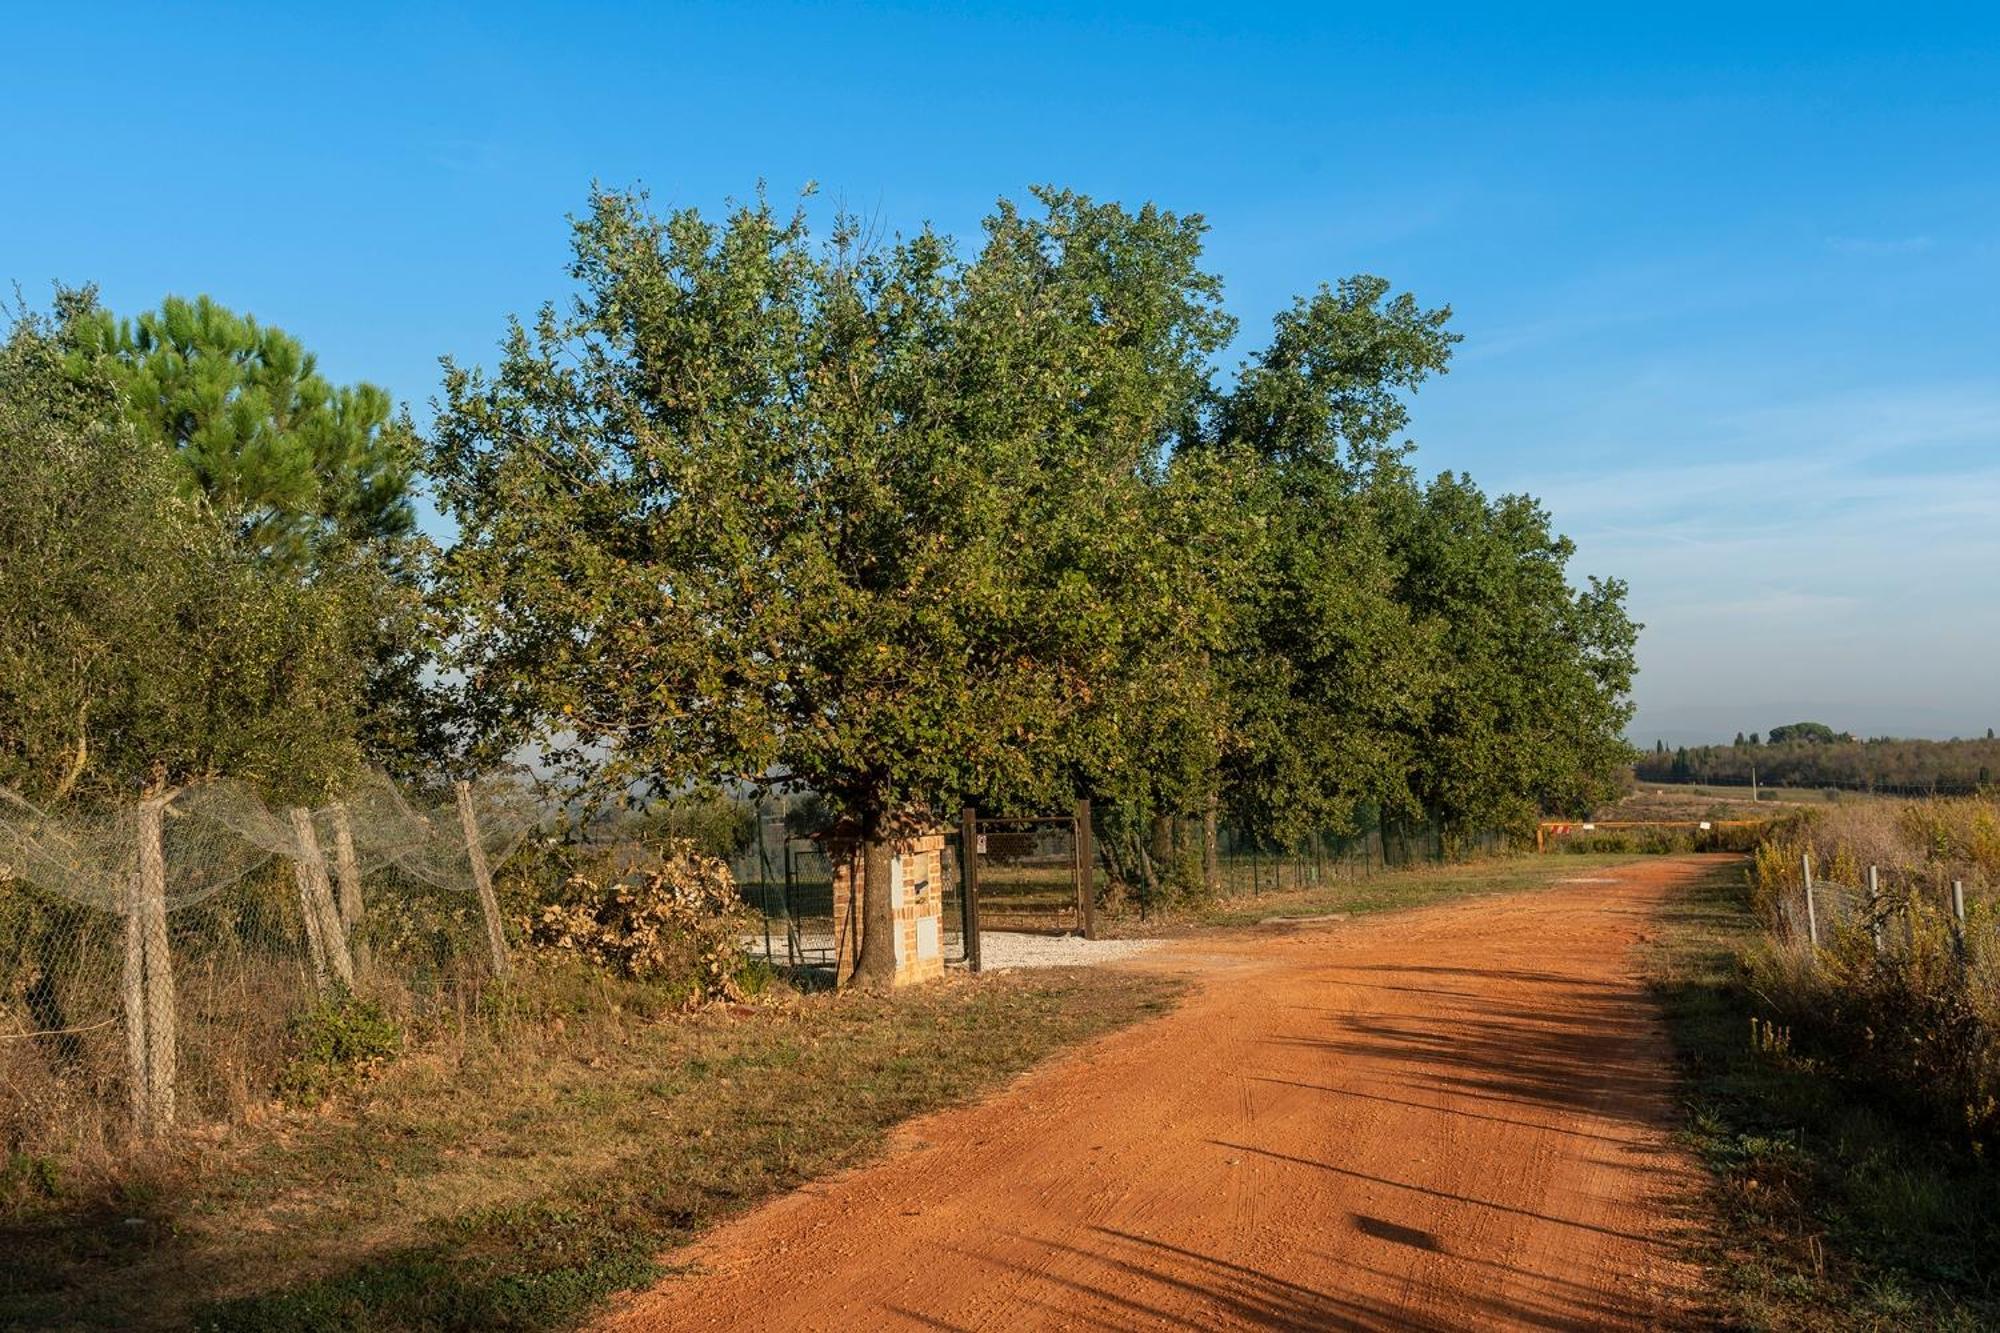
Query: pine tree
x=280 y=452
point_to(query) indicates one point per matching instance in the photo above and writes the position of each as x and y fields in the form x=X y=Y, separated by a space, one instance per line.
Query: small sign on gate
x=982 y=844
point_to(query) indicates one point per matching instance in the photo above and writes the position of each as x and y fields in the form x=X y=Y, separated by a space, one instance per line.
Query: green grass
x=519 y=1186
x=1417 y=886
x=1830 y=1212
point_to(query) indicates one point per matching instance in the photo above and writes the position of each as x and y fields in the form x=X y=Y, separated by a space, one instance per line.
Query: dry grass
x=515 y=1180
x=1832 y=1209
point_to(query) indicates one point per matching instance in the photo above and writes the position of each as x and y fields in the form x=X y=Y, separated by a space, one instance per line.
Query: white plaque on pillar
x=927 y=937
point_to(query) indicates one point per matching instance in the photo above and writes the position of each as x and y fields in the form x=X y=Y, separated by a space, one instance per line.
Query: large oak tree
x=868 y=518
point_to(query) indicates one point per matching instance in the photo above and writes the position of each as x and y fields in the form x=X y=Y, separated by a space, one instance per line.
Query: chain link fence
x=154 y=957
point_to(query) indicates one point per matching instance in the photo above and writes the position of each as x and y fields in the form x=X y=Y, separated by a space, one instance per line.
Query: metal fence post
x=764 y=877
x=1086 y=870
x=968 y=852
x=1812 y=913
x=1875 y=908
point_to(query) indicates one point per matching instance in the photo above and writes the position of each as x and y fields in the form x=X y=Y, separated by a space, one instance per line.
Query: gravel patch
x=1003 y=950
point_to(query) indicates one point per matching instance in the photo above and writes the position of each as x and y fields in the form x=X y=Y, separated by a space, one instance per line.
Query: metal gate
x=1029 y=873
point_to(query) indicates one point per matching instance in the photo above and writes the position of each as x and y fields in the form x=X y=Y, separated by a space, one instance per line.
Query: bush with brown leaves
x=679 y=923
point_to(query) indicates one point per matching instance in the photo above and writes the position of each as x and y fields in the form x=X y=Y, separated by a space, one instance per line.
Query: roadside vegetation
x=1843 y=1098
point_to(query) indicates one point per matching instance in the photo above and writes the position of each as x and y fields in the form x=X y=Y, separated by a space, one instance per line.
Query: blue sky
x=1729 y=277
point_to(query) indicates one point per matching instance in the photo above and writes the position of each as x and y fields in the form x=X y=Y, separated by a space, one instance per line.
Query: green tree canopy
x=1816 y=733
x=860 y=518
x=272 y=444
x=1329 y=675
x=1532 y=698
x=140 y=643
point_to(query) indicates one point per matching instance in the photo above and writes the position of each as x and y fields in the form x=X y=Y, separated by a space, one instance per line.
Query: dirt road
x=1443 y=1119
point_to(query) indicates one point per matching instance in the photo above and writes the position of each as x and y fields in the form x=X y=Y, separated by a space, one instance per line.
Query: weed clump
x=335 y=1044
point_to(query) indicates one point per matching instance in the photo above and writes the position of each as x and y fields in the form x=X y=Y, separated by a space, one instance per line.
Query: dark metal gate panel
x=1028 y=874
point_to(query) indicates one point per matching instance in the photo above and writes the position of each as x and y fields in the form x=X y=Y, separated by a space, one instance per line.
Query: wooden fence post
x=1086 y=870
x=325 y=935
x=1875 y=908
x=482 y=880
x=1812 y=913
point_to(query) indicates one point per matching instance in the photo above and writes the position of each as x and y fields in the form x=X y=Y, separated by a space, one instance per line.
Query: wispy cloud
x=1839 y=548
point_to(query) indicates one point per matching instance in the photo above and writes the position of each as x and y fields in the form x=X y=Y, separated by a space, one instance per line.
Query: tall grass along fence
x=1884 y=951
x=156 y=959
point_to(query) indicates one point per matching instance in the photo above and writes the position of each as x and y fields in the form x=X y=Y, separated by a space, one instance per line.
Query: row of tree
x=909 y=526
x=1814 y=755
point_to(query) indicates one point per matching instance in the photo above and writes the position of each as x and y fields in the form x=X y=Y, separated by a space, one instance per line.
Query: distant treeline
x=1809 y=755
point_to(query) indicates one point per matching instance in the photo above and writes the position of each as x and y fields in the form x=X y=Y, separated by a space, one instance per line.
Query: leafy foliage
x=141 y=643
x=913 y=529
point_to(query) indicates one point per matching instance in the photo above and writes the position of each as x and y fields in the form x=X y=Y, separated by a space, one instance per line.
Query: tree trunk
x=1166 y=865
x=875 y=965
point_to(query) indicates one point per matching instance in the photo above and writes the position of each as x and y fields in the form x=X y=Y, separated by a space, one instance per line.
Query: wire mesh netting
x=154 y=956
x=1908 y=921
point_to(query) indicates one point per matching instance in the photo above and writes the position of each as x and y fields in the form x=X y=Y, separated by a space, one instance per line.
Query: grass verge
x=519 y=1187
x=1829 y=1211
x=1416 y=886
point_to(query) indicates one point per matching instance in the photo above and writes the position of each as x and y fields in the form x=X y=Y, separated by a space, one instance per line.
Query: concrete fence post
x=149 y=978
x=482 y=880
x=1875 y=907
x=347 y=884
x=323 y=918
x=1958 y=918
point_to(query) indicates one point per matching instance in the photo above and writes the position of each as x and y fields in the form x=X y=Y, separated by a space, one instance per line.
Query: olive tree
x=140 y=644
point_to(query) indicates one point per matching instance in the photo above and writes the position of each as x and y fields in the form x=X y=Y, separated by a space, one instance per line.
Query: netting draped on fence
x=154 y=954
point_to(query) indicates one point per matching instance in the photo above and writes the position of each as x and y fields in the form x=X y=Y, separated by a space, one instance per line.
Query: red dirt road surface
x=1443 y=1119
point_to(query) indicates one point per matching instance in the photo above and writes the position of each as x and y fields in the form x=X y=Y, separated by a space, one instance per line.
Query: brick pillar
x=916 y=886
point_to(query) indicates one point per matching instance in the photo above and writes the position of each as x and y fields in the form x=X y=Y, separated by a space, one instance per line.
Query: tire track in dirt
x=1447 y=1118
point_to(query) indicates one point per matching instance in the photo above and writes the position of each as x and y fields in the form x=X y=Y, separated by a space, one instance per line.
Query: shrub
x=336 y=1042
x=680 y=923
